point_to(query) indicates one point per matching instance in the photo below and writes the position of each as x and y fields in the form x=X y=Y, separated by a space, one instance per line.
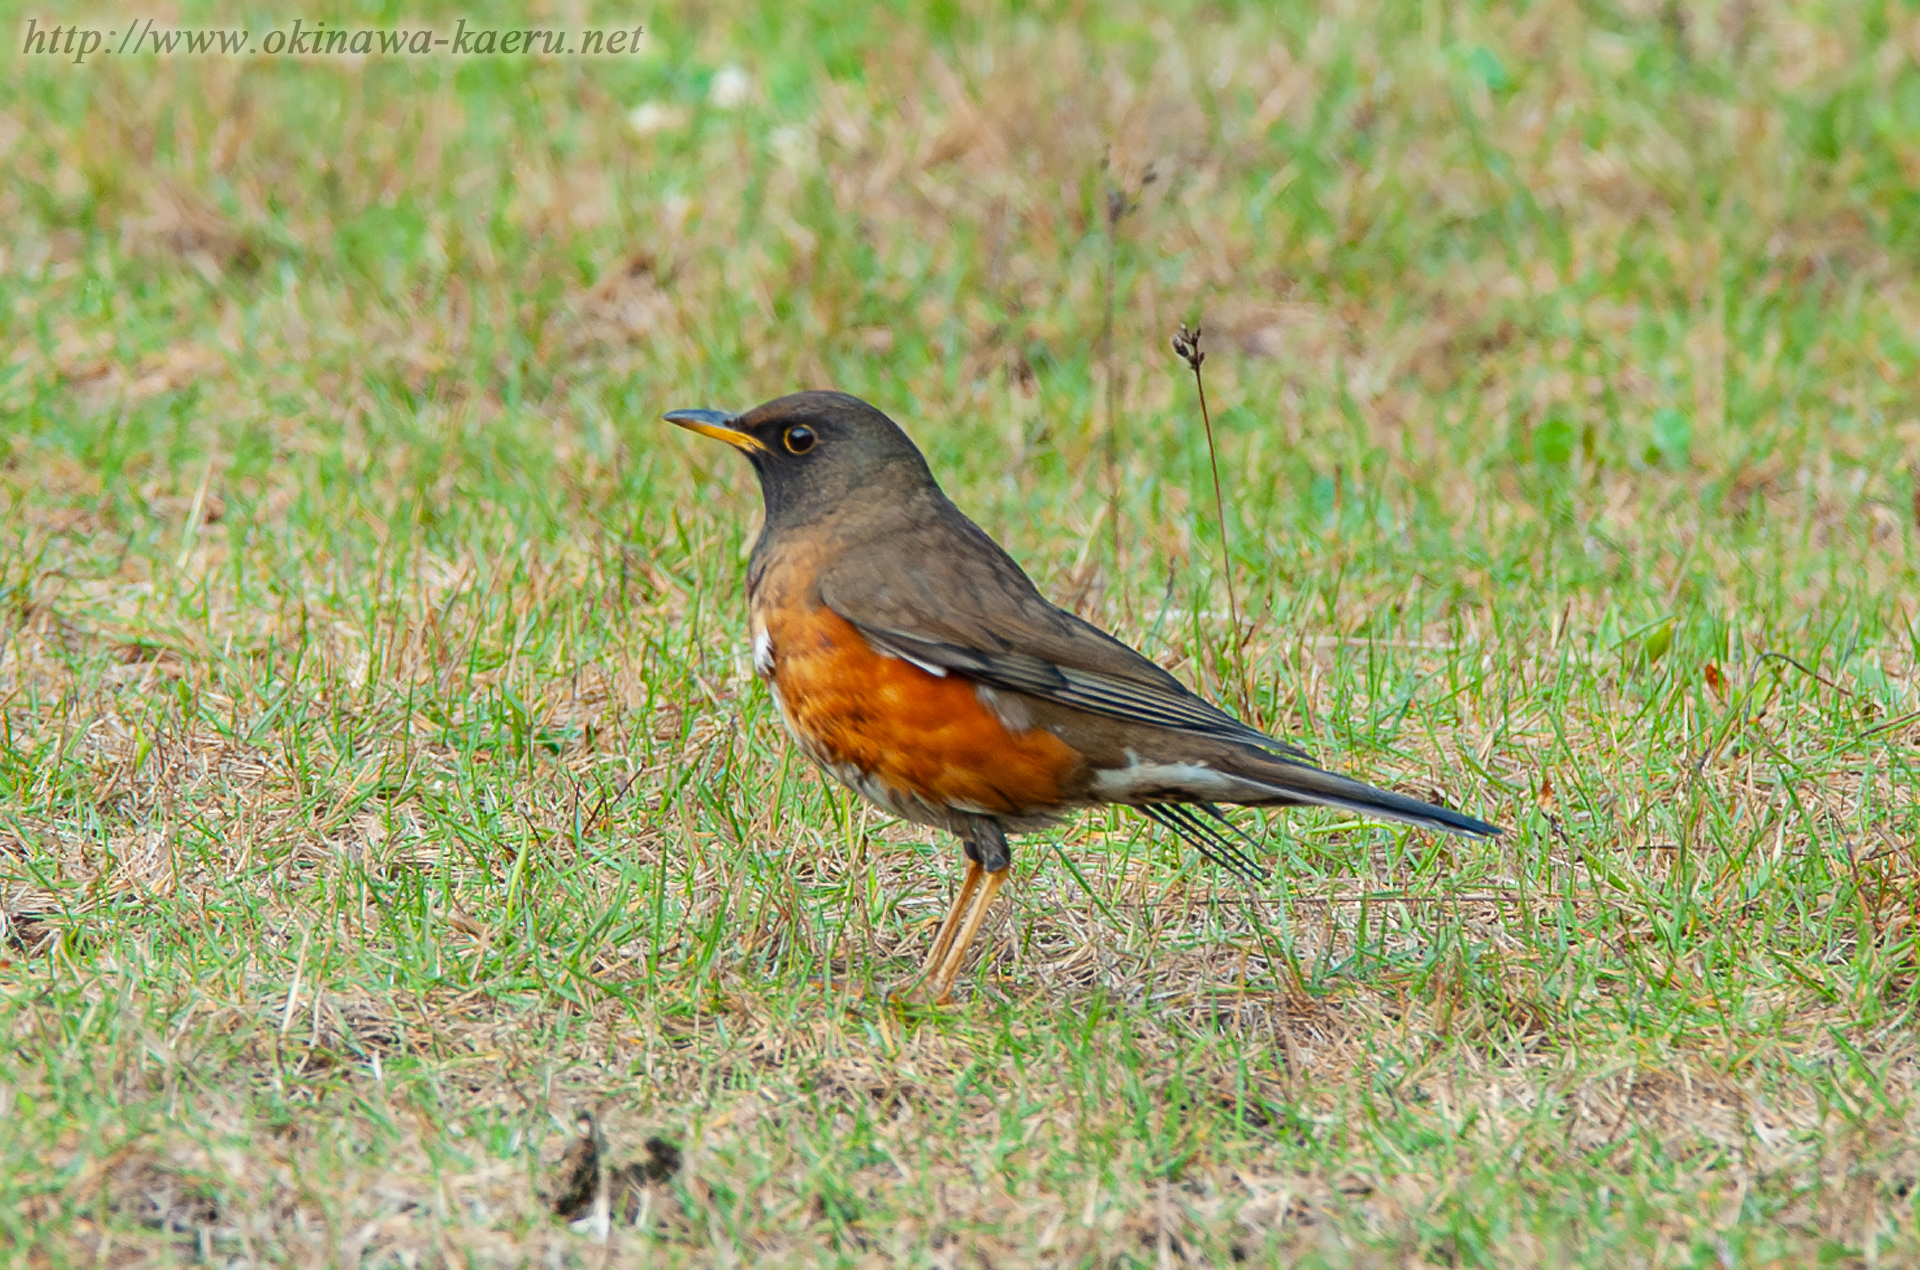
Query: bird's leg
x=955 y=912
x=987 y=859
x=941 y=985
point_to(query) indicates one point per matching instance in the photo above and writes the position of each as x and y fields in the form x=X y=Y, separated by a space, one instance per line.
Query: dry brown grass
x=384 y=781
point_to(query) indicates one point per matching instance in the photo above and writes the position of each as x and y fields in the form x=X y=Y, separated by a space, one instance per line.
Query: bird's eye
x=800 y=439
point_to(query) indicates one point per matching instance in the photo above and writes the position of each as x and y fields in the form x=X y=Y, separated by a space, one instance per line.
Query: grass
x=382 y=778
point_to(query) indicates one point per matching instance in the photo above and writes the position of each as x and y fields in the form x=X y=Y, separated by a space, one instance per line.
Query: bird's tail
x=1229 y=773
x=1178 y=779
x=1296 y=783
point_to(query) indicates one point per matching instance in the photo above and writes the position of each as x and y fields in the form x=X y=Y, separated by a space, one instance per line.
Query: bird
x=914 y=661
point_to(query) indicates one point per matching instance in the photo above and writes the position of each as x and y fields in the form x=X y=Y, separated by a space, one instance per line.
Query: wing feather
x=978 y=615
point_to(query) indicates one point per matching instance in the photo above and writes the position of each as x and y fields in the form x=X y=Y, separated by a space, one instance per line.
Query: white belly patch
x=1156 y=781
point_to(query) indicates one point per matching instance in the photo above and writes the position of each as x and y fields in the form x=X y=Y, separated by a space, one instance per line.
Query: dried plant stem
x=1186 y=343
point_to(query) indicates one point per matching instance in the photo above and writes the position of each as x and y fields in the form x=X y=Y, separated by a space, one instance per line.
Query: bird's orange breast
x=917 y=733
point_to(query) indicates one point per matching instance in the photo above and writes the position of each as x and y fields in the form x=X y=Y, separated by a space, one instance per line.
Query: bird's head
x=817 y=452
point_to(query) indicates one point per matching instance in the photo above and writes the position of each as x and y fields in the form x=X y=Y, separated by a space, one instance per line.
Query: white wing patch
x=888 y=650
x=938 y=672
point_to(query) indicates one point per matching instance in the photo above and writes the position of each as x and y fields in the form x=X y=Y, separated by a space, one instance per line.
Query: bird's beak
x=714 y=423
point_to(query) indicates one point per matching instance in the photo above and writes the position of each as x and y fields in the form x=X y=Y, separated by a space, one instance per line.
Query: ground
x=383 y=783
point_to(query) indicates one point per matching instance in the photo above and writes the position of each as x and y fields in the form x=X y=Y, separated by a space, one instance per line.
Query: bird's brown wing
x=972 y=611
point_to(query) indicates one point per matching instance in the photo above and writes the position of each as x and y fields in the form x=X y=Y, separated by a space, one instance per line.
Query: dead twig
x=1186 y=345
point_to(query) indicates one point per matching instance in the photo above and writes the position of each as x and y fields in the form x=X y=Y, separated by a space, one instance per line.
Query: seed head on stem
x=1186 y=345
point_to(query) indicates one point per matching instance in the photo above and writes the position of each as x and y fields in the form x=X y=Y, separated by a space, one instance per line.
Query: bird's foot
x=921 y=991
